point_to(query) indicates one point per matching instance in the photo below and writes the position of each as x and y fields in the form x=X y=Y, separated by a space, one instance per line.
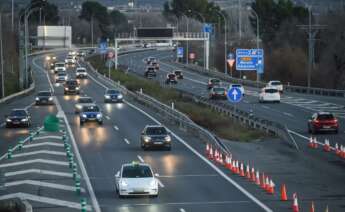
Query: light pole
x=225 y=41
x=203 y=22
x=187 y=48
x=257 y=37
x=2 y=61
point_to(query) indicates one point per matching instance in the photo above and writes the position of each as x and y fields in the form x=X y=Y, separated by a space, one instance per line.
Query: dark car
x=213 y=83
x=71 y=87
x=150 y=72
x=44 y=98
x=155 y=65
x=91 y=51
x=171 y=79
x=218 y=93
x=178 y=74
x=323 y=121
x=18 y=118
x=90 y=113
x=112 y=95
x=150 y=60
x=155 y=136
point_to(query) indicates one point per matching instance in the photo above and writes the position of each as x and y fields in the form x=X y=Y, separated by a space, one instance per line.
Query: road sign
x=180 y=52
x=248 y=59
x=191 y=56
x=234 y=95
x=110 y=55
x=103 y=47
x=207 y=28
x=231 y=56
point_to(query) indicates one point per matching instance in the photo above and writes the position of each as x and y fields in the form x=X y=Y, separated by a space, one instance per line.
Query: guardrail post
x=83 y=204
x=9 y=153
x=172 y=105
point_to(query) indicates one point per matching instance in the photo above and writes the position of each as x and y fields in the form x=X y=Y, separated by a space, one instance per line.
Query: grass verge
x=222 y=126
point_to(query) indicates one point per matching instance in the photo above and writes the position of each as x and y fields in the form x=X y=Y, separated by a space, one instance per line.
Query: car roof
x=19 y=109
x=136 y=163
x=81 y=68
x=324 y=113
x=151 y=126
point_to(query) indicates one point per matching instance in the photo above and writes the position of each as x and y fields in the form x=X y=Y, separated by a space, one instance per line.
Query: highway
x=294 y=110
x=185 y=177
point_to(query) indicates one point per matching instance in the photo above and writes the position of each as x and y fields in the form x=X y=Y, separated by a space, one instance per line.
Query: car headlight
x=77 y=88
x=66 y=89
x=120 y=96
x=24 y=120
x=107 y=96
x=147 y=138
x=99 y=116
x=56 y=77
x=123 y=183
x=50 y=99
x=37 y=99
x=8 y=120
x=84 y=116
x=167 y=138
x=48 y=58
x=54 y=58
x=65 y=77
x=78 y=106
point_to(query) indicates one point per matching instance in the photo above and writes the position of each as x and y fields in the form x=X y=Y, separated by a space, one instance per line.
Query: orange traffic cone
x=311 y=142
x=248 y=172
x=230 y=162
x=283 y=193
x=271 y=187
x=312 y=207
x=220 y=161
x=326 y=208
x=257 y=178
x=211 y=156
x=268 y=185
x=207 y=151
x=242 y=170
x=263 y=183
x=233 y=167
x=342 y=151
x=337 y=150
x=253 y=178
x=315 y=144
x=237 y=167
x=216 y=155
x=326 y=146
x=295 y=207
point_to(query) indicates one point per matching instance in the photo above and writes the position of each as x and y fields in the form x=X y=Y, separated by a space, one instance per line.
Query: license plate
x=16 y=122
x=44 y=101
x=158 y=142
x=326 y=127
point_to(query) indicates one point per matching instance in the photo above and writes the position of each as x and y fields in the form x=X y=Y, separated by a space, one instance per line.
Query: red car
x=323 y=121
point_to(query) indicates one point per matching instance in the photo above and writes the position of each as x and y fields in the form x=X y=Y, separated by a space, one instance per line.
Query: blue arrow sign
x=103 y=47
x=207 y=28
x=180 y=52
x=234 y=95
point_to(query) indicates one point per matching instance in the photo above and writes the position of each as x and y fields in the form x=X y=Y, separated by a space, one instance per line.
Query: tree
x=118 y=21
x=49 y=12
x=94 y=11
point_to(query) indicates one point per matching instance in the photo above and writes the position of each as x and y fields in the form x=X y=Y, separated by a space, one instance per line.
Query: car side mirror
x=6 y=116
x=156 y=175
x=117 y=175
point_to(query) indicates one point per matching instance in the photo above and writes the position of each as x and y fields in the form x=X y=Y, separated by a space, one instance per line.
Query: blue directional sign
x=207 y=28
x=180 y=52
x=234 y=95
x=250 y=60
x=103 y=47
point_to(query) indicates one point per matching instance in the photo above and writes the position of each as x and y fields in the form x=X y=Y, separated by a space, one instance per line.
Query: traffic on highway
x=171 y=108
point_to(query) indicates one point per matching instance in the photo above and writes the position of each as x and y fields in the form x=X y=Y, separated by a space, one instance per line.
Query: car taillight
x=335 y=121
x=225 y=93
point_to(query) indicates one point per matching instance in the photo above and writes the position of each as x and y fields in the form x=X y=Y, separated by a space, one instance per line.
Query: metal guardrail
x=290 y=88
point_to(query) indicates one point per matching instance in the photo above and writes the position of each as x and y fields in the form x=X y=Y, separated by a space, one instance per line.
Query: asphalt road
x=187 y=182
x=294 y=110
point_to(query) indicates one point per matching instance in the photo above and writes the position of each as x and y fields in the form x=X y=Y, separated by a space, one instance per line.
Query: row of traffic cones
x=339 y=149
x=295 y=206
x=313 y=143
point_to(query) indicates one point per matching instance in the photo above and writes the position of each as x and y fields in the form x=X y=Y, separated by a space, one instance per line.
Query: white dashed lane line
x=107 y=117
x=116 y=128
x=127 y=141
x=140 y=158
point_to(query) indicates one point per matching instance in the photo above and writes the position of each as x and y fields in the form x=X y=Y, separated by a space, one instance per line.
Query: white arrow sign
x=235 y=93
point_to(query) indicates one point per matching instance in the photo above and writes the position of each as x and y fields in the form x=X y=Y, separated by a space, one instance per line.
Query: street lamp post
x=257 y=37
x=187 y=48
x=225 y=41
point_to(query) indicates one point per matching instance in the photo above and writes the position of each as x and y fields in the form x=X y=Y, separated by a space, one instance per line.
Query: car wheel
x=100 y=122
x=154 y=196
x=309 y=130
x=336 y=131
x=81 y=123
x=313 y=130
x=121 y=196
x=168 y=148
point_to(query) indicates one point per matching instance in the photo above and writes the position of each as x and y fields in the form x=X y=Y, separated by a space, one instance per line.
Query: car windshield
x=18 y=113
x=81 y=70
x=271 y=91
x=236 y=85
x=171 y=76
x=59 y=65
x=90 y=109
x=325 y=117
x=151 y=69
x=61 y=74
x=156 y=131
x=276 y=83
x=215 y=81
x=136 y=171
x=72 y=82
x=44 y=93
x=113 y=92
x=219 y=90
x=177 y=72
x=85 y=100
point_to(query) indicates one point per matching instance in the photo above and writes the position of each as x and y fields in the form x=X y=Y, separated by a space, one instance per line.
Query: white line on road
x=306 y=138
x=127 y=141
x=189 y=175
x=42 y=184
x=107 y=117
x=140 y=158
x=27 y=107
x=48 y=143
x=288 y=114
x=2 y=124
x=160 y=183
x=266 y=107
x=190 y=203
x=47 y=200
x=39 y=152
x=48 y=137
x=39 y=171
x=51 y=162
x=116 y=128
x=182 y=210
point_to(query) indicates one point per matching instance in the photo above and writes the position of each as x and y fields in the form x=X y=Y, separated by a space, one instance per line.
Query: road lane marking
x=48 y=137
x=47 y=143
x=182 y=210
x=188 y=175
x=107 y=117
x=42 y=184
x=47 y=200
x=189 y=203
x=96 y=206
x=2 y=124
x=30 y=105
x=140 y=158
x=266 y=107
x=127 y=141
x=288 y=114
x=160 y=183
x=39 y=171
x=116 y=128
x=39 y=152
x=51 y=162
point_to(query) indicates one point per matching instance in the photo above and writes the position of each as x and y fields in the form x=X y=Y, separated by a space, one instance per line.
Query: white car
x=276 y=84
x=239 y=86
x=61 y=77
x=269 y=94
x=136 y=179
x=70 y=60
x=81 y=72
x=83 y=101
x=59 y=67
